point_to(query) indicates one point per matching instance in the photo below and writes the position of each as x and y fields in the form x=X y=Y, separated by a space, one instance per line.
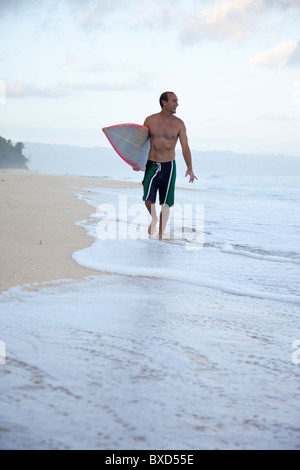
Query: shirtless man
x=160 y=173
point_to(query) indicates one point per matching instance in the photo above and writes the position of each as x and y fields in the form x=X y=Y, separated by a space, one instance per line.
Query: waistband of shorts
x=151 y=162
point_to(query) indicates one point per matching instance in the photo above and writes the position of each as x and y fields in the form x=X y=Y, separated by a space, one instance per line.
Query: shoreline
x=38 y=232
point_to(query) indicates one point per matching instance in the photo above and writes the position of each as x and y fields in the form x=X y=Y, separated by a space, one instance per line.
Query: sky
x=70 y=67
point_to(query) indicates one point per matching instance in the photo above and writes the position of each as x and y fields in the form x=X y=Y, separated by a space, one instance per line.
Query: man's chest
x=162 y=130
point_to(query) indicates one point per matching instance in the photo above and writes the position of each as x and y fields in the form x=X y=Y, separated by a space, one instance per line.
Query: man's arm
x=186 y=153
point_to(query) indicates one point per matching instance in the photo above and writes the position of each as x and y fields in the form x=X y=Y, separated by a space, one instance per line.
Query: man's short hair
x=164 y=97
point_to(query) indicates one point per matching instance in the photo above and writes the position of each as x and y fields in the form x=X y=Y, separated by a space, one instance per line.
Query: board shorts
x=160 y=177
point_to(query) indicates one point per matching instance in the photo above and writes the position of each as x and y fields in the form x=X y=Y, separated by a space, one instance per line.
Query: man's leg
x=166 y=195
x=154 y=219
x=164 y=217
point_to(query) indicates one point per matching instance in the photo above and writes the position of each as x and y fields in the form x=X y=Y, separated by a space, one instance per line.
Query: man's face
x=172 y=103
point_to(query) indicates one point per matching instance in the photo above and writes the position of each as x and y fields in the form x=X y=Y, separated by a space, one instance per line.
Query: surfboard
x=131 y=142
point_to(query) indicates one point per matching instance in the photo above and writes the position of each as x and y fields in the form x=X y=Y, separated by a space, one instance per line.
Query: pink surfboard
x=131 y=142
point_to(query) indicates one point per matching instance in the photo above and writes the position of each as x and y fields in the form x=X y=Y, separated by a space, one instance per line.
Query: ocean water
x=188 y=343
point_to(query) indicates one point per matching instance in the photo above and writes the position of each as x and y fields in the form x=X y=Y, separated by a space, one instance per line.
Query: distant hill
x=72 y=160
x=104 y=162
x=242 y=164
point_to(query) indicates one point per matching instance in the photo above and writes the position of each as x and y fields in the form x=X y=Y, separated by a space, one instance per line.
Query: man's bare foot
x=165 y=236
x=152 y=227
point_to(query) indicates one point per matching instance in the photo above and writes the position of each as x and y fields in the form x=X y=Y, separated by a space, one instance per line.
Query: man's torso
x=163 y=137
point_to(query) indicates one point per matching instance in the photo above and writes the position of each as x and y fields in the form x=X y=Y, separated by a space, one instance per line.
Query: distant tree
x=11 y=156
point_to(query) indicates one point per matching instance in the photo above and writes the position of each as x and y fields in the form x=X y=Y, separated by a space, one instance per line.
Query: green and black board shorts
x=160 y=177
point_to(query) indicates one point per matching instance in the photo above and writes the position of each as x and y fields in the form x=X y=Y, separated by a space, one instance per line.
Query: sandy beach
x=38 y=233
x=125 y=342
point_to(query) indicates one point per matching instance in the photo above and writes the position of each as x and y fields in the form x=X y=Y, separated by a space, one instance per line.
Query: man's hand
x=136 y=168
x=190 y=173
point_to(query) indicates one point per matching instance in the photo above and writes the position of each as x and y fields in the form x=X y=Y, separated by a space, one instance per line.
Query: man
x=160 y=173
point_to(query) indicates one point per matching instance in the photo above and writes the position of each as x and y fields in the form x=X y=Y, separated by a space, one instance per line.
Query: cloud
x=231 y=19
x=289 y=3
x=17 y=6
x=91 y=14
x=294 y=59
x=91 y=63
x=24 y=90
x=195 y=19
x=153 y=14
x=278 y=55
x=64 y=89
x=88 y=63
x=271 y=117
x=140 y=82
x=88 y=13
x=7 y=5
